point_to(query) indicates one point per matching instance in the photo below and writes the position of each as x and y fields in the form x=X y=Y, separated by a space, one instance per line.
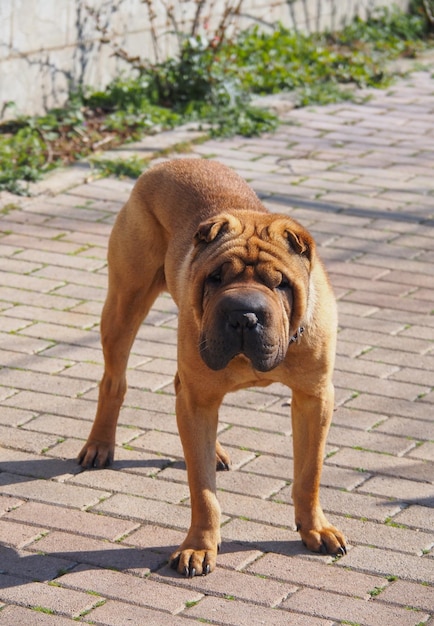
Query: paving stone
x=65 y=334
x=160 y=442
x=95 y=552
x=392 y=302
x=390 y=535
x=75 y=293
x=33 y=566
x=49 y=597
x=359 y=366
x=265 y=420
x=26 y=241
x=9 y=503
x=34 y=362
x=283 y=468
x=223 y=611
x=351 y=503
x=266 y=511
x=242 y=585
x=54 y=404
x=52 y=258
x=317 y=575
x=248 y=484
x=369 y=440
x=16 y=615
x=26 y=440
x=356 y=419
x=388 y=563
x=18 y=344
x=408 y=594
x=383 y=464
x=406 y=344
x=18 y=535
x=258 y=440
x=156 y=538
x=67 y=427
x=237 y=556
x=11 y=325
x=262 y=536
x=122 y=482
x=158 y=402
x=417 y=516
x=50 y=491
x=115 y=613
x=15 y=417
x=404 y=490
x=151 y=511
x=130 y=460
x=70 y=520
x=35 y=282
x=45 y=383
x=424 y=452
x=418 y=429
x=140 y=591
x=51 y=315
x=338 y=607
x=389 y=406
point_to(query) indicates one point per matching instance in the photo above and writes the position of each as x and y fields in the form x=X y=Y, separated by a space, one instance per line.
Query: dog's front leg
x=311 y=417
x=198 y=429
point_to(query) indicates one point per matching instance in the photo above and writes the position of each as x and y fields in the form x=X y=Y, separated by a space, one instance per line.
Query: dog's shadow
x=20 y=567
x=12 y=472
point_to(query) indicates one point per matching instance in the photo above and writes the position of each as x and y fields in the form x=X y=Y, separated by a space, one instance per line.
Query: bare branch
x=428 y=6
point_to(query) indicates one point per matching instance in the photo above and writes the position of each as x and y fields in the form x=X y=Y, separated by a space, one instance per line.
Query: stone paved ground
x=92 y=546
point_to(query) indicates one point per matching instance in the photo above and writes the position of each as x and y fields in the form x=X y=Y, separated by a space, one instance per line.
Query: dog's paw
x=96 y=454
x=327 y=540
x=191 y=563
x=223 y=460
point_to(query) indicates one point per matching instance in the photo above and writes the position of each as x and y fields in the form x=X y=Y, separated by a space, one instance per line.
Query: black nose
x=242 y=319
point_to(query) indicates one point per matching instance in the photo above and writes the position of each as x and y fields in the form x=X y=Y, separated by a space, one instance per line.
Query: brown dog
x=255 y=307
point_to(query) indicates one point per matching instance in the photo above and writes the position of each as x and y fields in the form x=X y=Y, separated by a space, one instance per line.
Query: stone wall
x=50 y=47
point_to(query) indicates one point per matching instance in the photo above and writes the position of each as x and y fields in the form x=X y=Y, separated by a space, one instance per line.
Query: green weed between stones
x=210 y=83
x=131 y=167
x=43 y=609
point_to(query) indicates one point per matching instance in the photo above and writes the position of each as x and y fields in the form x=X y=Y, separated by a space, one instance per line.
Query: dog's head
x=251 y=282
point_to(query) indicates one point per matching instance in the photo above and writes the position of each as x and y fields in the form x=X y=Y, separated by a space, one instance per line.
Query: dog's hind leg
x=132 y=291
x=120 y=321
x=223 y=460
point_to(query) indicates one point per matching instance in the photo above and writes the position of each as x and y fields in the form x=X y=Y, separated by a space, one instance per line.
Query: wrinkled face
x=251 y=278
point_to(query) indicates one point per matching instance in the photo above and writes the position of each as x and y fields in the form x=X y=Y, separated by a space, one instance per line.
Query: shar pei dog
x=255 y=307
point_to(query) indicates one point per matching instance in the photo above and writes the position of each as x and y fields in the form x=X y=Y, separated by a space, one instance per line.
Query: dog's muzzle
x=243 y=322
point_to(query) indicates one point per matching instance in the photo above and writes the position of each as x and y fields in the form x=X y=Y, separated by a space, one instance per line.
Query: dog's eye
x=215 y=278
x=284 y=283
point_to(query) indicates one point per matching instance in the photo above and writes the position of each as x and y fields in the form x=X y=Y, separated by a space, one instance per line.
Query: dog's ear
x=297 y=238
x=215 y=227
x=301 y=242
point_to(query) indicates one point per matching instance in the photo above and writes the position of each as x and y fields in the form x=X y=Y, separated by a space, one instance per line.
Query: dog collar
x=297 y=337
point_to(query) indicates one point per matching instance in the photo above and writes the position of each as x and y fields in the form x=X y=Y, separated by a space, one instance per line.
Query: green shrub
x=211 y=82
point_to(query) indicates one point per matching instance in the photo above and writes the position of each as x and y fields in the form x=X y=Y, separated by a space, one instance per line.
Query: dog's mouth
x=244 y=325
x=263 y=358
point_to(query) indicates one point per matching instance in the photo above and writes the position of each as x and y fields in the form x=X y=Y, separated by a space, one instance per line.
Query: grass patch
x=210 y=82
x=376 y=591
x=131 y=167
x=43 y=609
